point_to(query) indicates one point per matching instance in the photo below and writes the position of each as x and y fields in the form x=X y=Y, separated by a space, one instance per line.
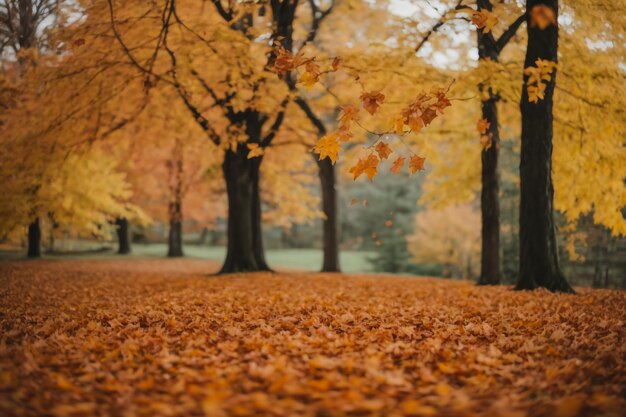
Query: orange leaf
x=416 y=164
x=383 y=150
x=542 y=16
x=372 y=101
x=482 y=125
x=397 y=164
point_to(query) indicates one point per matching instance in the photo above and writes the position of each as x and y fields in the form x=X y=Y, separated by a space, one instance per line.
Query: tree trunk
x=123 y=236
x=490 y=271
x=34 y=239
x=175 y=239
x=489 y=200
x=539 y=262
x=243 y=229
x=257 y=224
x=329 y=207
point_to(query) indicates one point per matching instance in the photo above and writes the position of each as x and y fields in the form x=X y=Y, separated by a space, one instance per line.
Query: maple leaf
x=538 y=77
x=328 y=146
x=368 y=166
x=371 y=168
x=372 y=101
x=286 y=61
x=416 y=163
x=542 y=16
x=424 y=109
x=254 y=150
x=397 y=164
x=482 y=125
x=484 y=19
x=383 y=150
x=348 y=114
x=344 y=134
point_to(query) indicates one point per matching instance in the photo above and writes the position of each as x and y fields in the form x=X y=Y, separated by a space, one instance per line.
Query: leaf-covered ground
x=161 y=338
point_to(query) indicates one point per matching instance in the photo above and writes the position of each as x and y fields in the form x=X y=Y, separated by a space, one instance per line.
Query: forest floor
x=162 y=338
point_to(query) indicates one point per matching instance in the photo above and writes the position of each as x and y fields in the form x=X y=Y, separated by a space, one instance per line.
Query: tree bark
x=175 y=239
x=175 y=209
x=244 y=220
x=257 y=223
x=329 y=207
x=539 y=262
x=123 y=236
x=490 y=271
x=34 y=239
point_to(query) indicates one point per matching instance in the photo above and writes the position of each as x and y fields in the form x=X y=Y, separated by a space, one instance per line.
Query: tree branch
x=280 y=117
x=442 y=20
x=510 y=32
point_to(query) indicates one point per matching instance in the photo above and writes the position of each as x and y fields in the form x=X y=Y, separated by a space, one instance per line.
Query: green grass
x=300 y=259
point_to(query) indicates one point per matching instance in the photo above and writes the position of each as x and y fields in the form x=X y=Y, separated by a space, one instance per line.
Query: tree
x=20 y=30
x=539 y=263
x=489 y=48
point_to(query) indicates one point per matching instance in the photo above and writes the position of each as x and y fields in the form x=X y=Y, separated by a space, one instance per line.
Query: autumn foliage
x=158 y=338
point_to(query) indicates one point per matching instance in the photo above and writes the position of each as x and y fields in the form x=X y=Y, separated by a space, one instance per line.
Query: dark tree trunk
x=34 y=239
x=329 y=207
x=257 y=231
x=539 y=262
x=123 y=236
x=175 y=239
x=489 y=200
x=244 y=222
x=490 y=270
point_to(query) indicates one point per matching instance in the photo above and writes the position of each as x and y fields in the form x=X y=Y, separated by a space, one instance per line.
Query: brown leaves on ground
x=105 y=338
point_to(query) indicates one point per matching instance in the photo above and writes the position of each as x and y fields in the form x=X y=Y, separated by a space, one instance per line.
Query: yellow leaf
x=254 y=150
x=328 y=146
